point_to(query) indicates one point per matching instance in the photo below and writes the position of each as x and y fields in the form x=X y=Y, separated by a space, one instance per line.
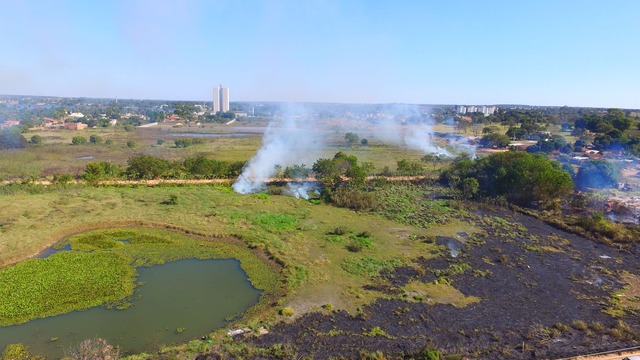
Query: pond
x=176 y=302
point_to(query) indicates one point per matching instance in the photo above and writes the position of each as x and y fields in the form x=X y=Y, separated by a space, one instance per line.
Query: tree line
x=146 y=167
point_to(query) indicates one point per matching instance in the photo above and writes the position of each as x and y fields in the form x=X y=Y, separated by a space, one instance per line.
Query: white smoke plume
x=302 y=190
x=407 y=125
x=462 y=145
x=285 y=142
x=299 y=138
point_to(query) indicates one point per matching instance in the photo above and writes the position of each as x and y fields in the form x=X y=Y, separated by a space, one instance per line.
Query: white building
x=486 y=110
x=220 y=99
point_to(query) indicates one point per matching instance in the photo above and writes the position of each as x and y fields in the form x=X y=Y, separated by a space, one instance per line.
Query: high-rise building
x=220 y=99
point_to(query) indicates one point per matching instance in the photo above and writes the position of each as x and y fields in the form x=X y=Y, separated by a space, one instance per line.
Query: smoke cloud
x=299 y=137
x=286 y=142
x=302 y=190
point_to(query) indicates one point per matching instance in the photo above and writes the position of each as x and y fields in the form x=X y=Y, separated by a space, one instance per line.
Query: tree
x=434 y=159
x=102 y=170
x=408 y=167
x=351 y=138
x=618 y=119
x=470 y=187
x=95 y=139
x=296 y=172
x=329 y=172
x=495 y=140
x=78 y=140
x=522 y=178
x=556 y=142
x=201 y=167
x=598 y=174
x=364 y=142
x=147 y=167
x=10 y=138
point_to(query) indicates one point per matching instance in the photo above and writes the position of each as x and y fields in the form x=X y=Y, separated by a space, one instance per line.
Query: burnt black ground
x=529 y=276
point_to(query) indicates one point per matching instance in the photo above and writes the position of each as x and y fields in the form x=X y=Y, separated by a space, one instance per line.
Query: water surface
x=196 y=295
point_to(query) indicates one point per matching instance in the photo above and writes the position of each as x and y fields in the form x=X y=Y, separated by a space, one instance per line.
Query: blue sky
x=560 y=52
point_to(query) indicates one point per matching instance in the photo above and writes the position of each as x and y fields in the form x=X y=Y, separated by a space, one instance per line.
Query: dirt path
x=617 y=355
x=154 y=182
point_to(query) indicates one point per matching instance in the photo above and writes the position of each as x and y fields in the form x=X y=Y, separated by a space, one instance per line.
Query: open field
x=58 y=155
x=505 y=263
x=422 y=271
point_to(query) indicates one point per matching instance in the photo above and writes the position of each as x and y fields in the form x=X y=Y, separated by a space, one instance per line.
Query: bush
x=201 y=167
x=183 y=143
x=355 y=246
x=147 y=167
x=102 y=170
x=429 y=354
x=287 y=311
x=62 y=179
x=408 y=167
x=36 y=140
x=95 y=139
x=339 y=230
x=95 y=349
x=131 y=144
x=18 y=352
x=172 y=200
x=354 y=199
x=78 y=140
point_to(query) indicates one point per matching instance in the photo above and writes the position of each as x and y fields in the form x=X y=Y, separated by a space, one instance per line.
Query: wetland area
x=176 y=302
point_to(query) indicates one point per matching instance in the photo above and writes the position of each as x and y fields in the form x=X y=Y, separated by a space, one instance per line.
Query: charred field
x=541 y=293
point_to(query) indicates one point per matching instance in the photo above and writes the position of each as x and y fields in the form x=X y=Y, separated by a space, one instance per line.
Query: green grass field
x=317 y=267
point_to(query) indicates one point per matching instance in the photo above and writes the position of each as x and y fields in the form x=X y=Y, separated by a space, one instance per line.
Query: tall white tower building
x=220 y=99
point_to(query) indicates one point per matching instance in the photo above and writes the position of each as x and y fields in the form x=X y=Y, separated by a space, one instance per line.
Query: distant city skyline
x=540 y=53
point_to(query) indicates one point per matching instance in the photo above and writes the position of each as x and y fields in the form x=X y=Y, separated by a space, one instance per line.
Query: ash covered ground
x=543 y=294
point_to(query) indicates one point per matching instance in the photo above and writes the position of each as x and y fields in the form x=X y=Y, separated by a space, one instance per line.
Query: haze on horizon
x=574 y=53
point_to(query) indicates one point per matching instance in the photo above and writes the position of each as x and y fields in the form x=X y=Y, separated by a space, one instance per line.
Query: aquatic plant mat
x=100 y=269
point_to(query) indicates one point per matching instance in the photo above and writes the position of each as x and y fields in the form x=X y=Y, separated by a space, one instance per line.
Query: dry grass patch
x=438 y=293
